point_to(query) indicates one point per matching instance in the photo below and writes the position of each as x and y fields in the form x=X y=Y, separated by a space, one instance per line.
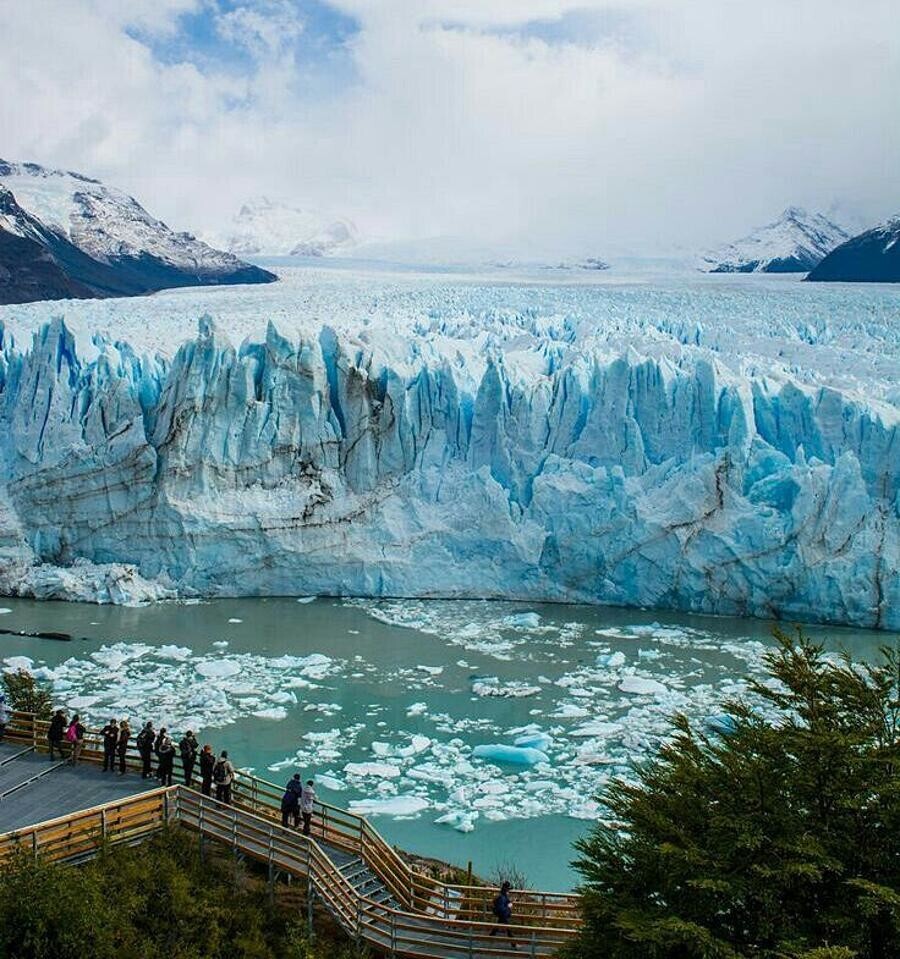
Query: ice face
x=584 y=444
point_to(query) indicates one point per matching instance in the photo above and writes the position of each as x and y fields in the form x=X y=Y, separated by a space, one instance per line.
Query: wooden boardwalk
x=64 y=813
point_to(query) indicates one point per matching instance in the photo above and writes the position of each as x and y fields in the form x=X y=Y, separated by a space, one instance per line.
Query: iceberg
x=597 y=445
x=518 y=755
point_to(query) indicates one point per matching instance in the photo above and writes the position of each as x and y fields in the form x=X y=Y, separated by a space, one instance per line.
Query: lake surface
x=386 y=702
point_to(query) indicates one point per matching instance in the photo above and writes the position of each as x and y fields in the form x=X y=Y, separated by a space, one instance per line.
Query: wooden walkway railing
x=428 y=910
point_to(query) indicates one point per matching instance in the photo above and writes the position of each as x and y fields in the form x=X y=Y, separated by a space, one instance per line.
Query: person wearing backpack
x=56 y=734
x=144 y=744
x=122 y=744
x=502 y=910
x=75 y=738
x=207 y=764
x=307 y=804
x=223 y=777
x=110 y=734
x=188 y=748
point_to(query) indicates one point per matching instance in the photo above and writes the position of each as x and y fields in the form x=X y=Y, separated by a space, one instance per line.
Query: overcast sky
x=586 y=125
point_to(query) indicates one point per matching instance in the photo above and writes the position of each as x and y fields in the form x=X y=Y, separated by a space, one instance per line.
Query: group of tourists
x=66 y=738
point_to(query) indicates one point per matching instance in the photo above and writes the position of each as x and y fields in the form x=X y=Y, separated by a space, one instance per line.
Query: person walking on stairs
x=144 y=744
x=223 y=776
x=207 y=764
x=502 y=910
x=307 y=804
x=56 y=733
x=188 y=748
x=122 y=744
x=110 y=734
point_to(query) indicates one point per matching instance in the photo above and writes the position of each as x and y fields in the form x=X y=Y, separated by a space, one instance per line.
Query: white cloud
x=664 y=122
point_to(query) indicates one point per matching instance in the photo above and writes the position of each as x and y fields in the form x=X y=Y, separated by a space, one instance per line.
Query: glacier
x=718 y=449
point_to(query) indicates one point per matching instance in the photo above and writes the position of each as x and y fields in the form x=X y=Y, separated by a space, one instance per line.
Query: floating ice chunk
x=382 y=749
x=282 y=697
x=218 y=668
x=431 y=670
x=418 y=744
x=306 y=599
x=14 y=663
x=417 y=709
x=585 y=810
x=4 y=610
x=83 y=702
x=611 y=660
x=522 y=620
x=330 y=782
x=597 y=727
x=233 y=620
x=570 y=711
x=535 y=740
x=648 y=654
x=491 y=686
x=220 y=643
x=273 y=712
x=384 y=770
x=723 y=723
x=516 y=755
x=394 y=806
x=641 y=686
x=179 y=653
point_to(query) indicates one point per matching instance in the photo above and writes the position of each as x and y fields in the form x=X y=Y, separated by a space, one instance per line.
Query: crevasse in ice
x=443 y=462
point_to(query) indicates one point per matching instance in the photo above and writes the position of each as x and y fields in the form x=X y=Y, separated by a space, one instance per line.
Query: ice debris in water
x=517 y=755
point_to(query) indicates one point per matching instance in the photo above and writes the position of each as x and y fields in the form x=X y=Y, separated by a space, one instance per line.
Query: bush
x=24 y=692
x=158 y=900
x=779 y=839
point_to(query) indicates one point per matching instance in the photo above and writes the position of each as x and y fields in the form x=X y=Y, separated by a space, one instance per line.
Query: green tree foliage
x=158 y=900
x=778 y=840
x=26 y=693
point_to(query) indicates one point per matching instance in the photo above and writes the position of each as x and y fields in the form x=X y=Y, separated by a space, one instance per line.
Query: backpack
x=72 y=733
x=219 y=772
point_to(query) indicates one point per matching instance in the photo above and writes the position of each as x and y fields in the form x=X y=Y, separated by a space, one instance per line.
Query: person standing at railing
x=75 y=737
x=207 y=764
x=156 y=745
x=144 y=744
x=188 y=748
x=56 y=733
x=223 y=776
x=290 y=804
x=307 y=804
x=122 y=744
x=110 y=734
x=4 y=716
x=165 y=751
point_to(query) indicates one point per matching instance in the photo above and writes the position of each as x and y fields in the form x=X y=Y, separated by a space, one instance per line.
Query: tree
x=779 y=838
x=27 y=694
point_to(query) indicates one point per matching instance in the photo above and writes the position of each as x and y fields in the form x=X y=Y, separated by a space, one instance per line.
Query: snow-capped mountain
x=794 y=243
x=870 y=257
x=264 y=227
x=99 y=240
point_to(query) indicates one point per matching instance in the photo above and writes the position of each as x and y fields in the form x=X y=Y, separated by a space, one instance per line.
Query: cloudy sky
x=588 y=124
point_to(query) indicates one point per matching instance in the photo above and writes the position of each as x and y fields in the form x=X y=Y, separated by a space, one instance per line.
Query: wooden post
x=469 y=874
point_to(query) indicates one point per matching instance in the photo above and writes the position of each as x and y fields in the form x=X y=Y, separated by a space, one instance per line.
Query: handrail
x=400 y=930
x=346 y=830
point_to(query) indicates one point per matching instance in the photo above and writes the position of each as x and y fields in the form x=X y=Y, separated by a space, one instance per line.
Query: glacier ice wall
x=316 y=465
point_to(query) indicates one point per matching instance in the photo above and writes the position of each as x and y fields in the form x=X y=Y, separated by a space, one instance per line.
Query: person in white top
x=307 y=802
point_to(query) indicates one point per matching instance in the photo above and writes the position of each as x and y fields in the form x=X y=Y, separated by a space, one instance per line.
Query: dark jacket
x=57 y=728
x=124 y=736
x=110 y=736
x=502 y=907
x=189 y=747
x=207 y=762
x=144 y=740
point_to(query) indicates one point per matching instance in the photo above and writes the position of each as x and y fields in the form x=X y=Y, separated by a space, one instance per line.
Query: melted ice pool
x=478 y=731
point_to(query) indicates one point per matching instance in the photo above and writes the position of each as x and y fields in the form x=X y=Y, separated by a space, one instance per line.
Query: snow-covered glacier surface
x=720 y=446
